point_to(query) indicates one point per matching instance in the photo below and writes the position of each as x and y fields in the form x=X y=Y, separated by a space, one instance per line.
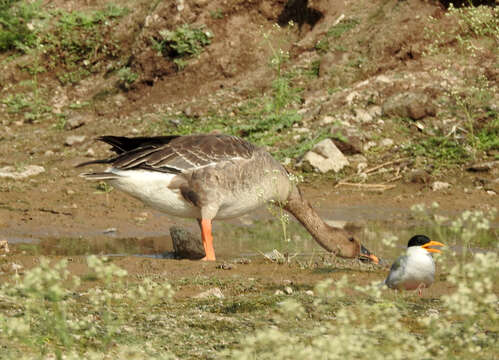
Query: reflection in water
x=253 y=238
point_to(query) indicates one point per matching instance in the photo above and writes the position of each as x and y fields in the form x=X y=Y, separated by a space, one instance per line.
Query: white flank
x=152 y=188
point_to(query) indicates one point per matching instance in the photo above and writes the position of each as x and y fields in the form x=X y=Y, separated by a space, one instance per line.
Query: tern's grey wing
x=396 y=274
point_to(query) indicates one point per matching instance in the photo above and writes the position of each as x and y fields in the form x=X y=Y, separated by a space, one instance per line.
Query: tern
x=416 y=268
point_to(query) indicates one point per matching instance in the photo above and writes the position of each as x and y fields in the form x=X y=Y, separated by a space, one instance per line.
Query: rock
x=90 y=152
x=279 y=293
x=490 y=192
x=27 y=171
x=74 y=140
x=244 y=261
x=74 y=123
x=326 y=120
x=351 y=97
x=368 y=145
x=288 y=290
x=325 y=156
x=309 y=293
x=362 y=116
x=186 y=245
x=215 y=292
x=225 y=266
x=274 y=255
x=48 y=153
x=386 y=142
x=439 y=185
x=111 y=230
x=349 y=145
x=374 y=111
x=4 y=247
x=419 y=176
x=483 y=166
x=414 y=105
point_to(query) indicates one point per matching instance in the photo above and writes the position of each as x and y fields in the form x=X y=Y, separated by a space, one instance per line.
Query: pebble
x=74 y=140
x=214 y=292
x=440 y=185
x=288 y=290
x=225 y=266
x=386 y=142
x=27 y=171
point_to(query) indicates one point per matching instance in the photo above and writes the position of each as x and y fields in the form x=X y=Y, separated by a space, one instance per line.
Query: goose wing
x=174 y=154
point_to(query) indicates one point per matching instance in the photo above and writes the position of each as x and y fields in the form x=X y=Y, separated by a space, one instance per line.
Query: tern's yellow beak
x=428 y=246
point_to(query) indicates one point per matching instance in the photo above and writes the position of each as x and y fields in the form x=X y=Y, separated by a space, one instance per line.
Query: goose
x=416 y=268
x=210 y=177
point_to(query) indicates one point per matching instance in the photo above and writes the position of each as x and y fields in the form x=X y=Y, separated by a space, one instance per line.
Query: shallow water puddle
x=254 y=238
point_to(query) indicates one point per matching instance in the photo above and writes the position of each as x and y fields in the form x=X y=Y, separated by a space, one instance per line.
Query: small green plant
x=16 y=31
x=103 y=188
x=217 y=14
x=45 y=317
x=445 y=151
x=475 y=29
x=183 y=42
x=126 y=78
x=335 y=32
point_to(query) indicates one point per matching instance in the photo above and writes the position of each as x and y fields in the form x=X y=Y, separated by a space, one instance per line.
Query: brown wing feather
x=179 y=154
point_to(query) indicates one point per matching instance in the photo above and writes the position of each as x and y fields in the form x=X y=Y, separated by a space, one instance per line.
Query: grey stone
x=27 y=171
x=414 y=105
x=483 y=166
x=74 y=122
x=349 y=145
x=419 y=176
x=325 y=156
x=185 y=244
x=386 y=142
x=215 y=292
x=362 y=116
x=74 y=140
x=440 y=185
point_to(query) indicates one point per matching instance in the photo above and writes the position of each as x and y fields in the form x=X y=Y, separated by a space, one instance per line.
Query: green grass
x=182 y=43
x=444 y=151
x=15 y=15
x=334 y=33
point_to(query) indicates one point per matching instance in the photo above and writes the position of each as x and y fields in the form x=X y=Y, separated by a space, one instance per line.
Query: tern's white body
x=413 y=270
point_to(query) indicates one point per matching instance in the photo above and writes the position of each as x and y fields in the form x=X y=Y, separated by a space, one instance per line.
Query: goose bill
x=367 y=255
x=429 y=246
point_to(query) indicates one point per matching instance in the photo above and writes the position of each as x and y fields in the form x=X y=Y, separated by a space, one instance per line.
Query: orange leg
x=420 y=289
x=207 y=237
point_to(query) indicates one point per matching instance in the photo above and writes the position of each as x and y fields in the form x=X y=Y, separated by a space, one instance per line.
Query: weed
x=15 y=24
x=81 y=42
x=474 y=28
x=217 y=14
x=126 y=77
x=181 y=43
x=335 y=32
x=443 y=150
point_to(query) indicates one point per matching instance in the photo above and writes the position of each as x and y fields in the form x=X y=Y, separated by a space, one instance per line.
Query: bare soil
x=59 y=204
